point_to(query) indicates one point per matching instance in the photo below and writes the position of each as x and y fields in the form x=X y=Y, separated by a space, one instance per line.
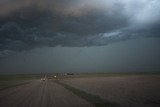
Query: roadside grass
x=14 y=85
x=94 y=99
x=18 y=77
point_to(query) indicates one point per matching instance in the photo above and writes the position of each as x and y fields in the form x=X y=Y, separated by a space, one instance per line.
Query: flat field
x=87 y=90
x=127 y=90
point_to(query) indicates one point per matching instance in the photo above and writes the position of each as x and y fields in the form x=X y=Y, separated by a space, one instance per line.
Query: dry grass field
x=91 y=90
x=127 y=91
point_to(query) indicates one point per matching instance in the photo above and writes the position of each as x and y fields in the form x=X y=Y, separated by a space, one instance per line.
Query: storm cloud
x=30 y=24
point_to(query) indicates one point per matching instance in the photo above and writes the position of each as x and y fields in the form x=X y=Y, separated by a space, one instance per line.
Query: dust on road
x=40 y=94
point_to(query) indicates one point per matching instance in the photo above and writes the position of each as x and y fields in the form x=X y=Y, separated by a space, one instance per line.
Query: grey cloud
x=5 y=53
x=76 y=23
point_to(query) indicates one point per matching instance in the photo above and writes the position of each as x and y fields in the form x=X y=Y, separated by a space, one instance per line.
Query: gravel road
x=40 y=94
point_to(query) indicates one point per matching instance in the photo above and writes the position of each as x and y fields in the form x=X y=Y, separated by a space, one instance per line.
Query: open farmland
x=128 y=91
x=91 y=90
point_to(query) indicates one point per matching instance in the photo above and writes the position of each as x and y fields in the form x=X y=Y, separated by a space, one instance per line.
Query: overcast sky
x=79 y=35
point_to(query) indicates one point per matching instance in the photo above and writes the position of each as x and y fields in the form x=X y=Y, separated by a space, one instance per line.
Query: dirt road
x=40 y=94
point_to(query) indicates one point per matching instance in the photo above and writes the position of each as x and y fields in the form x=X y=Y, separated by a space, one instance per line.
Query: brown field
x=82 y=91
x=128 y=91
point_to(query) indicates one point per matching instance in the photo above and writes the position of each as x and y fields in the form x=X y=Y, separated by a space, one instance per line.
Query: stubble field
x=81 y=91
x=127 y=91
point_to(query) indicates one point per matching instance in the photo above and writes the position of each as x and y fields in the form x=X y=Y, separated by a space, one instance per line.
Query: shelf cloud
x=30 y=24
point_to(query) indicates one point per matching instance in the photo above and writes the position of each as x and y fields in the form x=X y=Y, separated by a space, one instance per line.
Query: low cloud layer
x=29 y=24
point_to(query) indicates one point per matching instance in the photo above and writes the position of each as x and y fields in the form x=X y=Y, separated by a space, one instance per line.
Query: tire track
x=41 y=94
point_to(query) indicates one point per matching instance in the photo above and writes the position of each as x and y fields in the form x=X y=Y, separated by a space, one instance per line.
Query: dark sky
x=96 y=35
